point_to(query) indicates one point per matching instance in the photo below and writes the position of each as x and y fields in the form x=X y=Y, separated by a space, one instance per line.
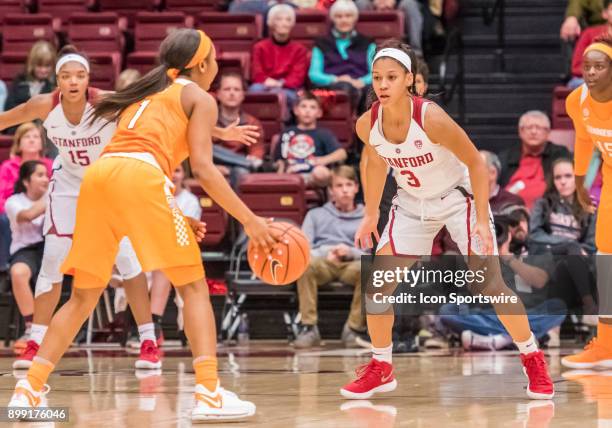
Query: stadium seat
x=6 y=141
x=150 y=28
x=142 y=61
x=62 y=9
x=12 y=6
x=268 y=109
x=128 y=9
x=234 y=34
x=560 y=119
x=96 y=32
x=381 y=25
x=309 y=25
x=105 y=68
x=21 y=31
x=563 y=137
x=216 y=219
x=274 y=195
x=12 y=64
x=338 y=118
x=192 y=7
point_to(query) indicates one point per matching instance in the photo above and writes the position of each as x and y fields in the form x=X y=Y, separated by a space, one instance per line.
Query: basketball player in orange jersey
x=442 y=181
x=590 y=107
x=163 y=118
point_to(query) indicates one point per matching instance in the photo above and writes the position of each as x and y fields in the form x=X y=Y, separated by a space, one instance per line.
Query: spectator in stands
x=331 y=230
x=528 y=276
x=343 y=59
x=278 y=63
x=307 y=148
x=580 y=14
x=38 y=77
x=232 y=157
x=27 y=146
x=499 y=199
x=413 y=18
x=560 y=226
x=587 y=37
x=25 y=210
x=421 y=80
x=3 y=93
x=126 y=78
x=525 y=167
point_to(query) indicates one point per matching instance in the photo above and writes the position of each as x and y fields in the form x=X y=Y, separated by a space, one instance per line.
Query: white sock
x=383 y=354
x=147 y=332
x=37 y=332
x=528 y=346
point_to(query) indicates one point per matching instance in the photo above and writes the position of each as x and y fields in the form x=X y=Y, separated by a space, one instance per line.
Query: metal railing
x=449 y=85
x=489 y=12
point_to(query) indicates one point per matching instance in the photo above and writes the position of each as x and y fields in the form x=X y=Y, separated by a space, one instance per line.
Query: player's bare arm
x=202 y=112
x=375 y=176
x=37 y=107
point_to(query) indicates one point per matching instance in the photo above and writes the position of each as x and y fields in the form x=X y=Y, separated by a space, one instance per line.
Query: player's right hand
x=258 y=230
x=367 y=229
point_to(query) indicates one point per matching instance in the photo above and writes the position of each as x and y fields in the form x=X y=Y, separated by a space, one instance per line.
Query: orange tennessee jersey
x=155 y=125
x=593 y=124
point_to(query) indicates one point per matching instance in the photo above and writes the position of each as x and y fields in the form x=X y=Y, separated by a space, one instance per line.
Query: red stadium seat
x=268 y=109
x=274 y=195
x=12 y=6
x=142 y=61
x=216 y=219
x=96 y=32
x=338 y=118
x=105 y=68
x=234 y=34
x=12 y=64
x=192 y=7
x=21 y=31
x=129 y=9
x=62 y=9
x=151 y=28
x=309 y=25
x=563 y=137
x=560 y=119
x=381 y=25
x=6 y=141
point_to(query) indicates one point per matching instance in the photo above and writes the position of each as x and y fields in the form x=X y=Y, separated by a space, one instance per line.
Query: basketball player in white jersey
x=65 y=113
x=442 y=181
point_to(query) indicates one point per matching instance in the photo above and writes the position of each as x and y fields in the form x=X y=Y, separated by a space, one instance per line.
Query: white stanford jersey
x=420 y=167
x=79 y=145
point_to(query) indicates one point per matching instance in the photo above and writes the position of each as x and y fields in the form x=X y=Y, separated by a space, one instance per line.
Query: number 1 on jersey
x=143 y=105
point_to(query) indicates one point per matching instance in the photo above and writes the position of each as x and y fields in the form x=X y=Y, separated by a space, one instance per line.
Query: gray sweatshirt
x=327 y=227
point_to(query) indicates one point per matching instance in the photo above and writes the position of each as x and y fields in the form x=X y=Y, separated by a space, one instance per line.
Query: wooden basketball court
x=301 y=389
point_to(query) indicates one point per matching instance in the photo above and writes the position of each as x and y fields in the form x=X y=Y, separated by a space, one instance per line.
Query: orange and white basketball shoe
x=595 y=355
x=219 y=405
x=25 y=396
x=149 y=356
x=374 y=377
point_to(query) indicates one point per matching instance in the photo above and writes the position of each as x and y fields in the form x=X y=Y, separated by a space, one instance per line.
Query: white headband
x=71 y=57
x=398 y=55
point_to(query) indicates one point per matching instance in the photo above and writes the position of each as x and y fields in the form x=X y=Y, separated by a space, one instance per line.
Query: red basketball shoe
x=540 y=386
x=376 y=376
x=149 y=356
x=24 y=361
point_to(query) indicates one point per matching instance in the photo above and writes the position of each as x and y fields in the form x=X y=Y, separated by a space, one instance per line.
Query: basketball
x=288 y=259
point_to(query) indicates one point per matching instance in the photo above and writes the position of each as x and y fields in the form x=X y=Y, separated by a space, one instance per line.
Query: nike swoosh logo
x=385 y=379
x=275 y=264
x=34 y=401
x=214 y=402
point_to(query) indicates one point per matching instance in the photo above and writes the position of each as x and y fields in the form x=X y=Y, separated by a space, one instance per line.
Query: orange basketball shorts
x=129 y=197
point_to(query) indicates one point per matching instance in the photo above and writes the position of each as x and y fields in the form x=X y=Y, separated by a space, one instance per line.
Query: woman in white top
x=25 y=210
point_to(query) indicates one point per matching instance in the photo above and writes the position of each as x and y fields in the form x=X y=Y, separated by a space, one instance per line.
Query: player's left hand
x=482 y=234
x=245 y=134
x=198 y=227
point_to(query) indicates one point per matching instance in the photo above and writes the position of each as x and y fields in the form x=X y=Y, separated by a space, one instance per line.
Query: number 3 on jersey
x=411 y=179
x=143 y=105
